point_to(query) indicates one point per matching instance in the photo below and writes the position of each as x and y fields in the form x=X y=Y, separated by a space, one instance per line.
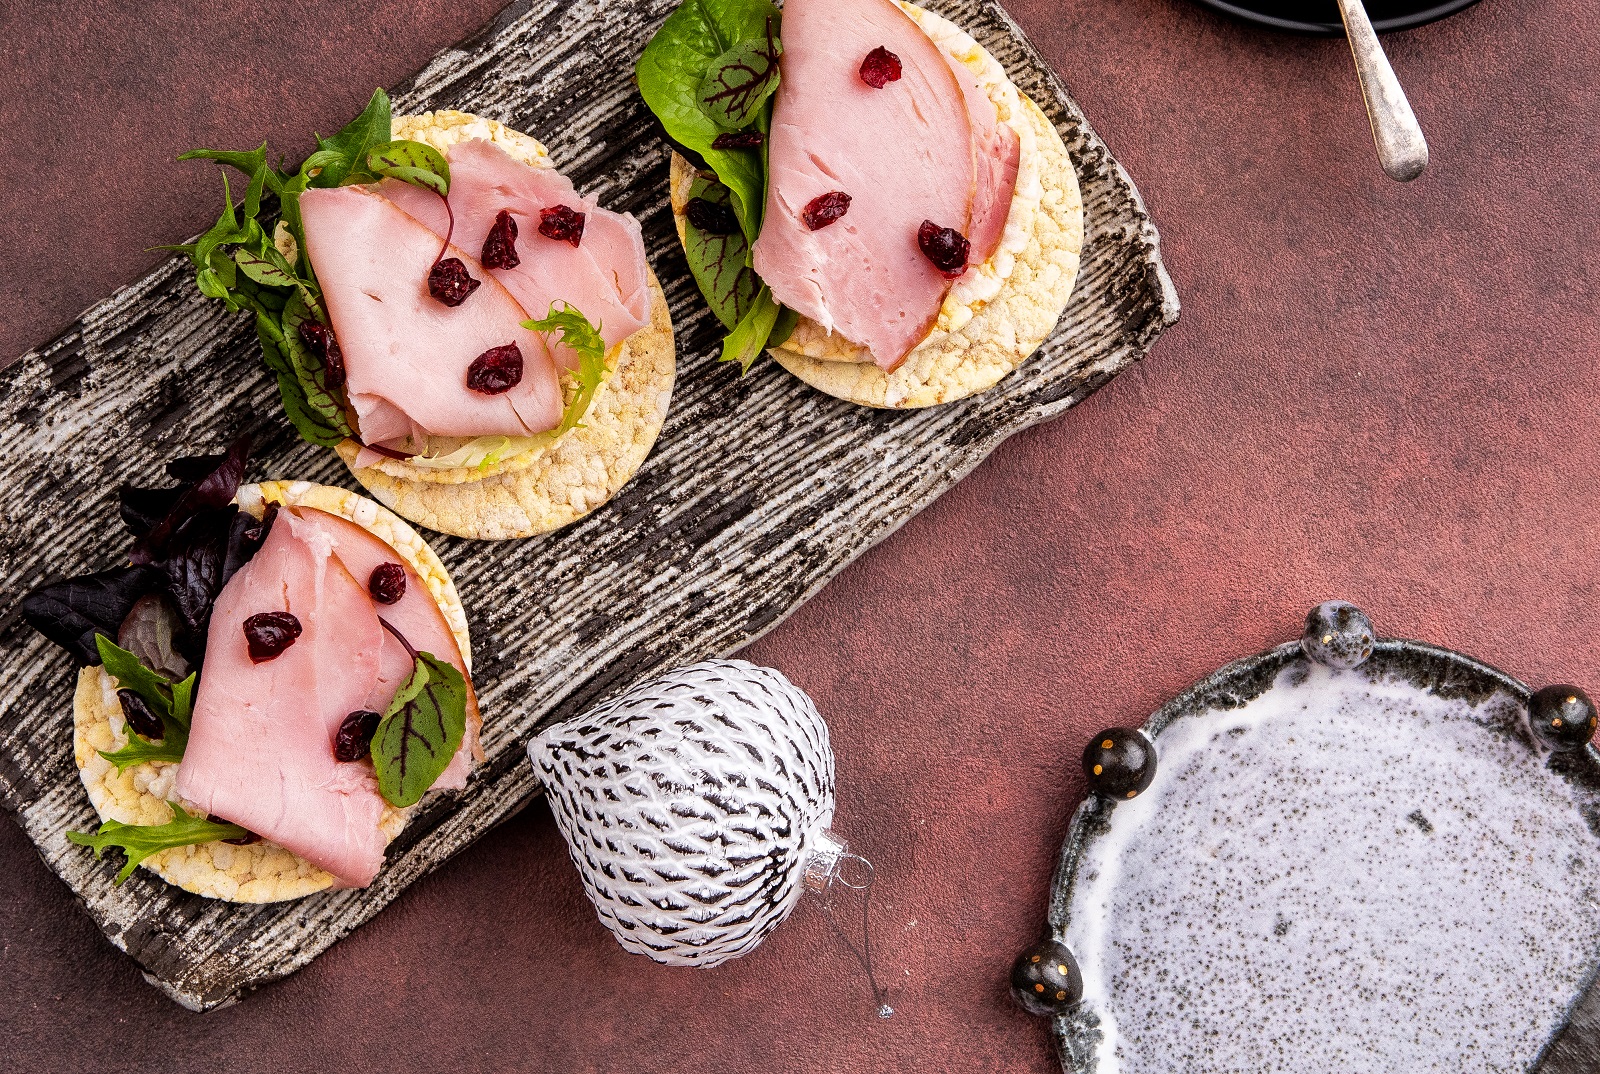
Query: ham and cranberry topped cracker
x=885 y=211
x=279 y=675
x=486 y=348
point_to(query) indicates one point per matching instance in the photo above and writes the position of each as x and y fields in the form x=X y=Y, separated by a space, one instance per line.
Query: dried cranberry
x=137 y=712
x=561 y=224
x=270 y=633
x=244 y=840
x=387 y=583
x=450 y=283
x=946 y=247
x=738 y=140
x=880 y=68
x=496 y=370
x=321 y=343
x=709 y=218
x=500 y=245
x=824 y=209
x=354 y=738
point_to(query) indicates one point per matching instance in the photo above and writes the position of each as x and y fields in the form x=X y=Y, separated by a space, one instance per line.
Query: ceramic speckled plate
x=1274 y=910
x=1322 y=16
x=758 y=491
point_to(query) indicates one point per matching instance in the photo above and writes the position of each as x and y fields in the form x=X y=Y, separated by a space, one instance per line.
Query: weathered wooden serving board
x=759 y=490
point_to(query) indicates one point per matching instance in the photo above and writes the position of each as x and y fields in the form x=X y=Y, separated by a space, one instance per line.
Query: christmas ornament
x=696 y=807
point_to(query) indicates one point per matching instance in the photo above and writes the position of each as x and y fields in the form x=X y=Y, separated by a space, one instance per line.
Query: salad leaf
x=268 y=267
x=310 y=424
x=584 y=338
x=75 y=611
x=750 y=337
x=739 y=82
x=421 y=731
x=342 y=159
x=673 y=68
x=720 y=263
x=172 y=701
x=310 y=370
x=140 y=841
x=416 y=163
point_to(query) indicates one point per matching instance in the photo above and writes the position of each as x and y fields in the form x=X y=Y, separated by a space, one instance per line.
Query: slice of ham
x=415 y=615
x=260 y=749
x=902 y=153
x=996 y=155
x=928 y=146
x=406 y=354
x=605 y=277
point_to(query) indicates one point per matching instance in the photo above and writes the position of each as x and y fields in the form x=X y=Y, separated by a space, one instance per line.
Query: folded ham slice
x=406 y=354
x=260 y=749
x=605 y=276
x=415 y=615
x=996 y=155
x=927 y=146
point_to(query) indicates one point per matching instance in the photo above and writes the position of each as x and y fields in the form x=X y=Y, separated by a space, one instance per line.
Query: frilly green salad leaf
x=139 y=841
x=584 y=338
x=172 y=702
x=238 y=262
x=712 y=69
x=421 y=731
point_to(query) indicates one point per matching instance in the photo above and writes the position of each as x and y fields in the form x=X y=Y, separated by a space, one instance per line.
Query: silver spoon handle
x=1402 y=150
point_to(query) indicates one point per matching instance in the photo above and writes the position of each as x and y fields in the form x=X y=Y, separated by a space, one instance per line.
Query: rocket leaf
x=140 y=841
x=421 y=731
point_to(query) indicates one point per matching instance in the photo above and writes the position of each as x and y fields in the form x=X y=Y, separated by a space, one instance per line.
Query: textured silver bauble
x=692 y=805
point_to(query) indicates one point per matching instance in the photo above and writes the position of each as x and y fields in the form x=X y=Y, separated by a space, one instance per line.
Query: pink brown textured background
x=1379 y=392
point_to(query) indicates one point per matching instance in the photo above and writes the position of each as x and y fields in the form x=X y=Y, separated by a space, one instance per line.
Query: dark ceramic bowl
x=1438 y=671
x=1322 y=16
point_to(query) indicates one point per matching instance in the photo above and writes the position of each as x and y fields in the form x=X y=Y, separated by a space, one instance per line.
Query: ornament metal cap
x=822 y=863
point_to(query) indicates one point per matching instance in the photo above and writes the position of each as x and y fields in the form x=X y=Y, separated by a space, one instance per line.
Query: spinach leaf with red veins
x=671 y=72
x=720 y=262
x=421 y=731
x=739 y=82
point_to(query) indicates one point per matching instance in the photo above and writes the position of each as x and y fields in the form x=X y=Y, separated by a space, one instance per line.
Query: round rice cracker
x=144 y=793
x=1003 y=331
x=547 y=487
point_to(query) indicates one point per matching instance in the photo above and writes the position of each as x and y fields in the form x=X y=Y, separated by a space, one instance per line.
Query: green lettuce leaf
x=139 y=841
x=421 y=731
x=171 y=702
x=584 y=338
x=750 y=337
x=673 y=68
